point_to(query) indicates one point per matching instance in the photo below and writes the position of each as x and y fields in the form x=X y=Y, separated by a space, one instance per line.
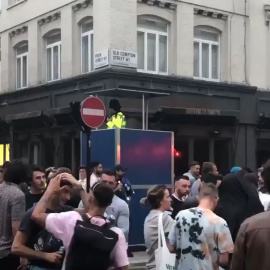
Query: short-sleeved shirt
x=40 y=239
x=151 y=234
x=12 y=208
x=32 y=199
x=199 y=236
x=117 y=213
x=62 y=226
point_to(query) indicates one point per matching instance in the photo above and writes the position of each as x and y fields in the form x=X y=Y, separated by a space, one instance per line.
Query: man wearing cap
x=117 y=119
x=235 y=169
x=124 y=190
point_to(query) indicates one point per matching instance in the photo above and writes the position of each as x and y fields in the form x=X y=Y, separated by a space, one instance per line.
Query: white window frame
x=146 y=31
x=21 y=56
x=51 y=46
x=210 y=43
x=90 y=35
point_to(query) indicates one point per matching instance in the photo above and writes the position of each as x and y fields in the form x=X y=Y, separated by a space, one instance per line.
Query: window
x=206 y=55
x=22 y=66
x=53 y=51
x=152 y=46
x=87 y=47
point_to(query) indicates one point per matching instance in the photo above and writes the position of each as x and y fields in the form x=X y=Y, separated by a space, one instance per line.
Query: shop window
x=53 y=54
x=22 y=66
x=206 y=54
x=87 y=47
x=4 y=153
x=152 y=44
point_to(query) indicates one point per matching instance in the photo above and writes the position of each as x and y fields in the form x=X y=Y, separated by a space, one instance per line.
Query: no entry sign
x=93 y=112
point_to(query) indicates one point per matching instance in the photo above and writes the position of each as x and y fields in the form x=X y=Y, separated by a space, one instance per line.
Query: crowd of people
x=49 y=221
x=212 y=222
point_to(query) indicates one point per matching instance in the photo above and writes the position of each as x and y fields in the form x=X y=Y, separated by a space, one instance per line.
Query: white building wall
x=245 y=38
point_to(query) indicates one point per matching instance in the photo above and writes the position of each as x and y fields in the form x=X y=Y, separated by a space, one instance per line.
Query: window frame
x=90 y=35
x=210 y=43
x=21 y=56
x=51 y=47
x=157 y=33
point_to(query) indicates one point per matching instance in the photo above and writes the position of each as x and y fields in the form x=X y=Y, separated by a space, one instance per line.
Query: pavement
x=138 y=262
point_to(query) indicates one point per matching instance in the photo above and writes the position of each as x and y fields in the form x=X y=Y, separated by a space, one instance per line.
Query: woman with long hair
x=160 y=201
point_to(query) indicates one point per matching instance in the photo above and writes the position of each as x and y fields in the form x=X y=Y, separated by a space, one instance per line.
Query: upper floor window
x=206 y=54
x=22 y=66
x=152 y=46
x=87 y=47
x=53 y=53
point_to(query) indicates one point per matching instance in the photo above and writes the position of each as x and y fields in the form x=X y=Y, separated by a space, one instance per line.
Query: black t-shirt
x=177 y=206
x=40 y=239
x=31 y=200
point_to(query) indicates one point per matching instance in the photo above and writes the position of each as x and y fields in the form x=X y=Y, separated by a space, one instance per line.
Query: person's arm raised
x=77 y=185
x=39 y=214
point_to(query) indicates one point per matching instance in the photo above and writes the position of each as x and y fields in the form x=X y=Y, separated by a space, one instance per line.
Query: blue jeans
x=38 y=268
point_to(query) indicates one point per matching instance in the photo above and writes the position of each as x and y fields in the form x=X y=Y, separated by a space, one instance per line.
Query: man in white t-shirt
x=97 y=170
x=83 y=176
x=63 y=225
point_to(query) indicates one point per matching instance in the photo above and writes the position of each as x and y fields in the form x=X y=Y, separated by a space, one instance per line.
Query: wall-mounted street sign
x=101 y=59
x=123 y=58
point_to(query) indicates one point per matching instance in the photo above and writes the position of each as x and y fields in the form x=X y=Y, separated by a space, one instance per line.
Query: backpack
x=91 y=246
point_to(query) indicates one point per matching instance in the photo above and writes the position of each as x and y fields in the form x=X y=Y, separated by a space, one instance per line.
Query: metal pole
x=147 y=113
x=143 y=112
x=212 y=150
x=190 y=150
x=73 y=160
x=88 y=157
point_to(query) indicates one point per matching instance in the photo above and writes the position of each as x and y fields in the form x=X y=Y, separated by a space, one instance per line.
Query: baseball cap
x=119 y=167
x=235 y=169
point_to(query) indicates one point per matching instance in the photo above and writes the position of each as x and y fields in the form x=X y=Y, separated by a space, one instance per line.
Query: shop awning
x=197 y=116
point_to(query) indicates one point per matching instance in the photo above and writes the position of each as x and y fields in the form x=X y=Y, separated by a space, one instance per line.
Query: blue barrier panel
x=148 y=157
x=102 y=147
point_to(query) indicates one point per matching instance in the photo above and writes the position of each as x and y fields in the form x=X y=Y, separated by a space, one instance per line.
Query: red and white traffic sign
x=93 y=112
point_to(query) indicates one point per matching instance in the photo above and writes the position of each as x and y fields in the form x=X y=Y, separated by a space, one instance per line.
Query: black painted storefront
x=211 y=121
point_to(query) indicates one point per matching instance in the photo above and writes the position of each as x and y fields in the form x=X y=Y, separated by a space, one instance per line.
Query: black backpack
x=91 y=246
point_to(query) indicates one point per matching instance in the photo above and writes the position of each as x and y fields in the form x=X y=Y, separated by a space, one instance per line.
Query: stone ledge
x=158 y=3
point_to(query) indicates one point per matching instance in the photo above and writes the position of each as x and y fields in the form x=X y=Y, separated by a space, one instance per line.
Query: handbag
x=164 y=259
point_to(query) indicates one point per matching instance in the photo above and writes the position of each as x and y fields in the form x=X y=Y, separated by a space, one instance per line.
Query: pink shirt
x=62 y=226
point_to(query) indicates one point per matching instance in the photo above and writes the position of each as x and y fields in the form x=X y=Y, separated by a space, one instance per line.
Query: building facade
x=200 y=66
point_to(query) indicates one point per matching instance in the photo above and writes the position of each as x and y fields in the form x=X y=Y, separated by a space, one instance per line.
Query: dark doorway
x=263 y=151
x=201 y=150
x=49 y=152
x=221 y=153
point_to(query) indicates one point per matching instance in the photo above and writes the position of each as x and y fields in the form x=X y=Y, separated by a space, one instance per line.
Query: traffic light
x=76 y=114
x=177 y=154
